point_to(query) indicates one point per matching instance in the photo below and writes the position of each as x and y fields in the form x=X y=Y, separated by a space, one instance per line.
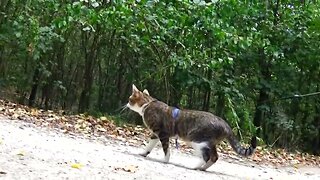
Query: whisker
x=123 y=108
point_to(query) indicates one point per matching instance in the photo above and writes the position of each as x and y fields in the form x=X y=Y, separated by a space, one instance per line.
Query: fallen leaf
x=131 y=168
x=51 y=119
x=76 y=165
x=15 y=116
x=128 y=168
x=21 y=153
x=101 y=129
x=103 y=118
x=34 y=112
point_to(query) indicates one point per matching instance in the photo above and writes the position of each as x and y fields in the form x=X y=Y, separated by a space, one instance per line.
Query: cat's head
x=138 y=100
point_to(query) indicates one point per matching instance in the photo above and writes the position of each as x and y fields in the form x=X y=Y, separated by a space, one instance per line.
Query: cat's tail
x=242 y=150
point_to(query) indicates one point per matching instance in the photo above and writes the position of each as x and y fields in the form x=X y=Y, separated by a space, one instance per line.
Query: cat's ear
x=145 y=91
x=134 y=88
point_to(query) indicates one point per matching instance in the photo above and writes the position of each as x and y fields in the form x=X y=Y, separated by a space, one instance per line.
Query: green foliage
x=235 y=58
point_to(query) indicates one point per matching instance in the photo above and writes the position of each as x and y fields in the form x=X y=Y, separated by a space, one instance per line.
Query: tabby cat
x=202 y=130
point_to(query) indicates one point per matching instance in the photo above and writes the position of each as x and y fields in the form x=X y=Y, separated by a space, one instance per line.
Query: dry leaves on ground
x=80 y=123
x=134 y=135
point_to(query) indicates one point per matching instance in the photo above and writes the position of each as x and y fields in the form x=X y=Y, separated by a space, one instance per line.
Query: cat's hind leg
x=202 y=150
x=151 y=144
x=210 y=156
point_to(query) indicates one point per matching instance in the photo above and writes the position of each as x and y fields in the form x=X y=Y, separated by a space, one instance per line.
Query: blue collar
x=175 y=114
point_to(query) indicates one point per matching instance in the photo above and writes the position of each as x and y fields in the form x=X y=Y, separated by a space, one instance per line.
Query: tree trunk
x=220 y=104
x=4 y=6
x=71 y=90
x=2 y=62
x=87 y=81
x=119 y=81
x=263 y=98
x=258 y=119
x=207 y=94
x=88 y=76
x=176 y=87
x=316 y=139
x=316 y=123
x=57 y=69
x=34 y=89
x=190 y=97
x=103 y=79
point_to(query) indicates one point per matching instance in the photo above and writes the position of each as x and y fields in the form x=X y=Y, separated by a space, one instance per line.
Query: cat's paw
x=144 y=154
x=199 y=169
x=166 y=158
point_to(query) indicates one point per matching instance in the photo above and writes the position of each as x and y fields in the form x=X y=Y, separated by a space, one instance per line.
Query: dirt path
x=29 y=152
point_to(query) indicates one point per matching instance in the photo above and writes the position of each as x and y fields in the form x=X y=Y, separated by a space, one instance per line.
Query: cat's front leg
x=164 y=139
x=152 y=143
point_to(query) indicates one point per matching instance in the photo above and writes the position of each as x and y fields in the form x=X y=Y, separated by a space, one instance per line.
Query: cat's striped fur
x=202 y=130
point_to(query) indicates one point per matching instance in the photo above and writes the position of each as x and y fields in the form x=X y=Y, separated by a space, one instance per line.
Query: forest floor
x=37 y=144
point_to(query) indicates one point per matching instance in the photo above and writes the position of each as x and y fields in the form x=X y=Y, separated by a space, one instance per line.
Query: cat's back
x=201 y=117
x=198 y=113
